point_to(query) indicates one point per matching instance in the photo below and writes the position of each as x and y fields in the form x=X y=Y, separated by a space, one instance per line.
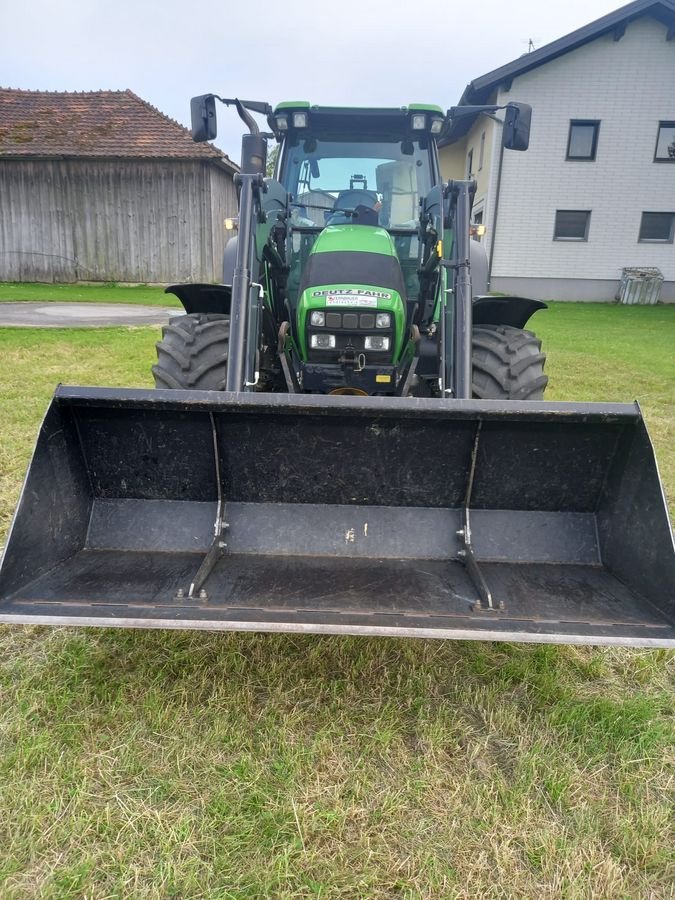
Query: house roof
x=480 y=89
x=94 y=124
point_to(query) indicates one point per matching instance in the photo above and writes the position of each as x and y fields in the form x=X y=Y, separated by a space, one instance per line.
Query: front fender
x=203 y=298
x=514 y=311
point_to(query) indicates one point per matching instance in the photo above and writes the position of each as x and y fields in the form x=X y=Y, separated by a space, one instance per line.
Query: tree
x=272 y=161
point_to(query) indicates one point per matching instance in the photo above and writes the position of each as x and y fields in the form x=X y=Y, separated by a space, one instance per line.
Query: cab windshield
x=328 y=178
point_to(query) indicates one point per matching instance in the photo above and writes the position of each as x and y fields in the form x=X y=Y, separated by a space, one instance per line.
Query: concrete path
x=29 y=314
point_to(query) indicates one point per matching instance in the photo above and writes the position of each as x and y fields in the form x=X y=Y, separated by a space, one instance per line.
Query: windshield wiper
x=313 y=206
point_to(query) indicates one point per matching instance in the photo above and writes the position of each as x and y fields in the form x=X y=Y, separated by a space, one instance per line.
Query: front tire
x=192 y=354
x=507 y=364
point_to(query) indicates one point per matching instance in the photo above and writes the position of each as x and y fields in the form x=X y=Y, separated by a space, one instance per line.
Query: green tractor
x=356 y=245
x=348 y=434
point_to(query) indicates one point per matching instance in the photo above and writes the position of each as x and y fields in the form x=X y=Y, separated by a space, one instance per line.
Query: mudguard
x=203 y=298
x=514 y=311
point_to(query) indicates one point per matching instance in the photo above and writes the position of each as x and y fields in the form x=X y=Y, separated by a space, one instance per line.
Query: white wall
x=629 y=85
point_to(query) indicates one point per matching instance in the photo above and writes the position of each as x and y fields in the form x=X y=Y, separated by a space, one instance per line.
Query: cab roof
x=368 y=122
x=287 y=105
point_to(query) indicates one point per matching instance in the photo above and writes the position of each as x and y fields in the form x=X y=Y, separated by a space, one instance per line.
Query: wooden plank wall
x=113 y=220
x=224 y=205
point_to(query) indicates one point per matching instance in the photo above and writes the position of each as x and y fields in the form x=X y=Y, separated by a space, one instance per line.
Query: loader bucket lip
x=313 y=404
x=270 y=627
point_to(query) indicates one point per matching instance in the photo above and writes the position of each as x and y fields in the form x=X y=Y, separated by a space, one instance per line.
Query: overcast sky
x=348 y=52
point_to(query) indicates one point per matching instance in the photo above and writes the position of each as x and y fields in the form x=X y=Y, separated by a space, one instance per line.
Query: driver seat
x=353 y=199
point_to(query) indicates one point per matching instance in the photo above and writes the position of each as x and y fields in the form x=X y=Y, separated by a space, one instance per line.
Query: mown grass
x=150 y=295
x=611 y=352
x=152 y=764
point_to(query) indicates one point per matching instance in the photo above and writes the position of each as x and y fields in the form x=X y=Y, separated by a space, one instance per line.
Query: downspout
x=496 y=212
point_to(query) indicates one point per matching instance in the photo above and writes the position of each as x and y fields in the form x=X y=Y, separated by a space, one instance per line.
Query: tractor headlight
x=299 y=120
x=382 y=320
x=418 y=122
x=318 y=317
x=436 y=126
x=377 y=342
x=322 y=341
x=282 y=123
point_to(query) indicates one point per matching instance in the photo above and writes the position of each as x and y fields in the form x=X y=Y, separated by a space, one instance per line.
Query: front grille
x=354 y=321
x=350 y=328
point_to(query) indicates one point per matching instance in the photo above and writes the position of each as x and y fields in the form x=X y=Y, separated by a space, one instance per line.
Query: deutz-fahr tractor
x=348 y=435
x=354 y=249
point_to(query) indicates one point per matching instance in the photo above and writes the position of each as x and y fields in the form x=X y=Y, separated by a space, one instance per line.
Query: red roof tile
x=93 y=123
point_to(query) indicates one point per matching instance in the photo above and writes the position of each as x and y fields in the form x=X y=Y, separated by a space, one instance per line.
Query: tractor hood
x=356 y=238
x=362 y=255
x=354 y=269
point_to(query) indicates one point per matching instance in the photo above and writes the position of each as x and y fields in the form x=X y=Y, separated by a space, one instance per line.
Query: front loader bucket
x=359 y=515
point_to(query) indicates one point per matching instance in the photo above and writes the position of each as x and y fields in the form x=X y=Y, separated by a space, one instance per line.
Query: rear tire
x=507 y=364
x=192 y=354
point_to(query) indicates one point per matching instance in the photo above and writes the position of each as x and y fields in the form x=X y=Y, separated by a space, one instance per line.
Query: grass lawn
x=86 y=293
x=151 y=764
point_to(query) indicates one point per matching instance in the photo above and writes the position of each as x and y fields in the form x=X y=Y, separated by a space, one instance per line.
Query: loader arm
x=245 y=296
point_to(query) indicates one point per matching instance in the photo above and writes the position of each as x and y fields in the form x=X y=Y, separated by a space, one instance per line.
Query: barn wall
x=110 y=220
x=224 y=205
x=36 y=236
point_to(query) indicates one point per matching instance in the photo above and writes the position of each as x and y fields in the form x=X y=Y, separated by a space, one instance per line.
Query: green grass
x=152 y=764
x=87 y=293
x=606 y=352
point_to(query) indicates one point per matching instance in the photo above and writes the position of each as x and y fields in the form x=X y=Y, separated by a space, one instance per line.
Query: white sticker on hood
x=341 y=300
x=352 y=297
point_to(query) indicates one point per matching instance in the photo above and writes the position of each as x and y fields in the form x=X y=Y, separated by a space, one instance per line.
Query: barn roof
x=94 y=124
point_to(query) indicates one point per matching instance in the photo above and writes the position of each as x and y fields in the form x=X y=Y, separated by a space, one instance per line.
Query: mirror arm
x=244 y=115
x=243 y=107
x=458 y=112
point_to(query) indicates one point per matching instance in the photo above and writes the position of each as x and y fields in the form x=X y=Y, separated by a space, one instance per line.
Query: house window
x=582 y=141
x=477 y=229
x=571 y=224
x=469 y=163
x=657 y=227
x=481 y=155
x=665 y=143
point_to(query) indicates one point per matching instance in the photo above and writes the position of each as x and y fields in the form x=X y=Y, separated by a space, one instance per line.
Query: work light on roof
x=436 y=125
x=282 y=123
x=419 y=122
x=299 y=120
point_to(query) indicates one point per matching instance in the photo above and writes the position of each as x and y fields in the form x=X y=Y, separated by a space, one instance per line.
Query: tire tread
x=192 y=353
x=508 y=364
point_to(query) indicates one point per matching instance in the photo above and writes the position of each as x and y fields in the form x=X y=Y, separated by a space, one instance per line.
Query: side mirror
x=203 y=112
x=516 y=129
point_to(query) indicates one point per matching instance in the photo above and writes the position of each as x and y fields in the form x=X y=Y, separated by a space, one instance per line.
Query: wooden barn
x=101 y=186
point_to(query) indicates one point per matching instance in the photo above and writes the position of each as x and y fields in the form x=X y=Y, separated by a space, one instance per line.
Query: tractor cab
x=355 y=179
x=358 y=166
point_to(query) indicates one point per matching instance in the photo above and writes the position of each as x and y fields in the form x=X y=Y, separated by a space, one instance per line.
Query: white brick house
x=568 y=214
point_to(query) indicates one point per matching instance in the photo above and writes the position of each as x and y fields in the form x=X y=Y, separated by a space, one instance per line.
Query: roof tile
x=93 y=124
